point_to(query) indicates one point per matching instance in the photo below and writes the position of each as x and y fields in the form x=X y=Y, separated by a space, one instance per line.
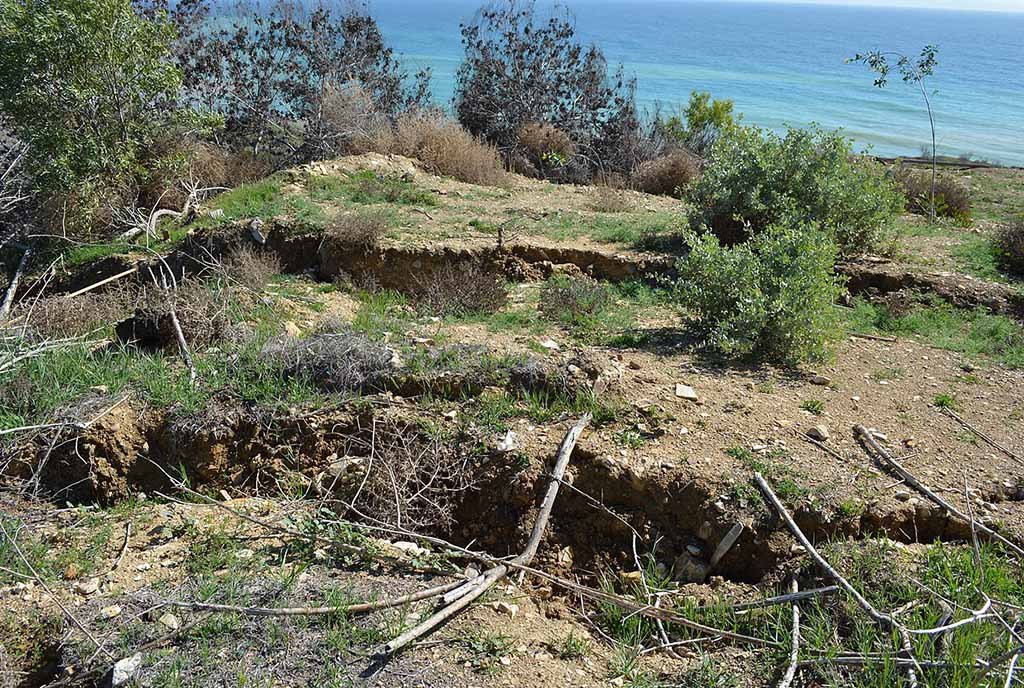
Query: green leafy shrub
x=753 y=179
x=952 y=196
x=86 y=84
x=771 y=296
x=699 y=126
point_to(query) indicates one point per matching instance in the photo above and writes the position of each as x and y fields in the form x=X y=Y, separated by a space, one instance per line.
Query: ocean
x=782 y=64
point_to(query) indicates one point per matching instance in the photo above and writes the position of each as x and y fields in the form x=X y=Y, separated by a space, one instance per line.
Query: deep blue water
x=782 y=64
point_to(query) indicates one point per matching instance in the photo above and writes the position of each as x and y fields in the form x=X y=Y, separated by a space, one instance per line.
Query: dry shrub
x=353 y=124
x=1009 y=246
x=574 y=301
x=415 y=479
x=202 y=309
x=251 y=268
x=444 y=148
x=345 y=362
x=358 y=231
x=546 y=144
x=57 y=316
x=607 y=199
x=952 y=196
x=459 y=290
x=669 y=175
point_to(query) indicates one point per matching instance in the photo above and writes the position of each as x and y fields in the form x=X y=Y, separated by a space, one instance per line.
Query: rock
x=690 y=569
x=110 y=612
x=256 y=231
x=505 y=660
x=125 y=670
x=244 y=554
x=903 y=495
x=410 y=547
x=695 y=550
x=507 y=444
x=169 y=621
x=509 y=610
x=549 y=344
x=821 y=380
x=88 y=587
x=631 y=576
x=291 y=329
x=686 y=392
x=819 y=432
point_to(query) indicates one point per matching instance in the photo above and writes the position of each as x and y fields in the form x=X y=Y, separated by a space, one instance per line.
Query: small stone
x=819 y=432
x=549 y=344
x=903 y=495
x=821 y=380
x=618 y=681
x=143 y=567
x=797 y=549
x=169 y=621
x=635 y=365
x=759 y=448
x=508 y=443
x=854 y=398
x=505 y=660
x=110 y=612
x=631 y=576
x=88 y=587
x=410 y=547
x=244 y=554
x=509 y=610
x=125 y=670
x=690 y=569
x=686 y=392
x=451 y=415
x=695 y=550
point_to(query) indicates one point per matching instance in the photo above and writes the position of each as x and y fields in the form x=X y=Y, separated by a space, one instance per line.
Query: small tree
x=82 y=82
x=522 y=69
x=913 y=71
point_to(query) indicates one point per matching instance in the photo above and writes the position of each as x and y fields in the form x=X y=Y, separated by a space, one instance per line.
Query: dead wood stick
x=360 y=608
x=991 y=442
x=913 y=482
x=12 y=288
x=124 y=547
x=820 y=445
x=794 y=653
x=102 y=282
x=876 y=616
x=873 y=337
x=495 y=574
x=882 y=620
x=725 y=545
x=789 y=597
x=42 y=584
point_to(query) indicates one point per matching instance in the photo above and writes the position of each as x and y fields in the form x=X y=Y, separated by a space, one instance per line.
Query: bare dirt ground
x=657 y=482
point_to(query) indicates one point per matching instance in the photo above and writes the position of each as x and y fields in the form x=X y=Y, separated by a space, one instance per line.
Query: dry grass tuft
x=358 y=231
x=56 y=317
x=251 y=268
x=669 y=175
x=952 y=196
x=465 y=289
x=607 y=199
x=344 y=361
x=444 y=147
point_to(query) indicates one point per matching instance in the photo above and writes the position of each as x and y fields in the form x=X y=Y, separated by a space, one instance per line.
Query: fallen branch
x=124 y=546
x=489 y=578
x=988 y=440
x=359 y=608
x=820 y=445
x=102 y=282
x=913 y=482
x=873 y=337
x=884 y=621
x=12 y=288
x=794 y=653
x=784 y=599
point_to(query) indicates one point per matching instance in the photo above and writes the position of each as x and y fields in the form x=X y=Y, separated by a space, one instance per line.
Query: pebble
x=903 y=495
x=110 y=612
x=88 y=587
x=169 y=621
x=125 y=670
x=686 y=392
x=821 y=380
x=819 y=432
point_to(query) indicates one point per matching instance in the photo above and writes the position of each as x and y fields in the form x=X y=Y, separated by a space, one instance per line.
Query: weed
x=814 y=406
x=887 y=374
x=368 y=188
x=945 y=400
x=629 y=438
x=486 y=651
x=574 y=646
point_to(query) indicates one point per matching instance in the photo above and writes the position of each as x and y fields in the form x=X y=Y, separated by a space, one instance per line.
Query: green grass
x=366 y=188
x=814 y=406
x=977 y=333
x=978 y=256
x=266 y=200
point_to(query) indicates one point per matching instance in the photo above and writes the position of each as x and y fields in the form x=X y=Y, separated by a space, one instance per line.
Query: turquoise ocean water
x=782 y=64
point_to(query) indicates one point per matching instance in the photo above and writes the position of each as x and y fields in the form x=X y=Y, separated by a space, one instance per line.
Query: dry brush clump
x=57 y=317
x=952 y=196
x=360 y=231
x=610 y=199
x=444 y=147
x=342 y=362
x=669 y=175
x=574 y=301
x=410 y=478
x=251 y=268
x=1009 y=246
x=459 y=290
